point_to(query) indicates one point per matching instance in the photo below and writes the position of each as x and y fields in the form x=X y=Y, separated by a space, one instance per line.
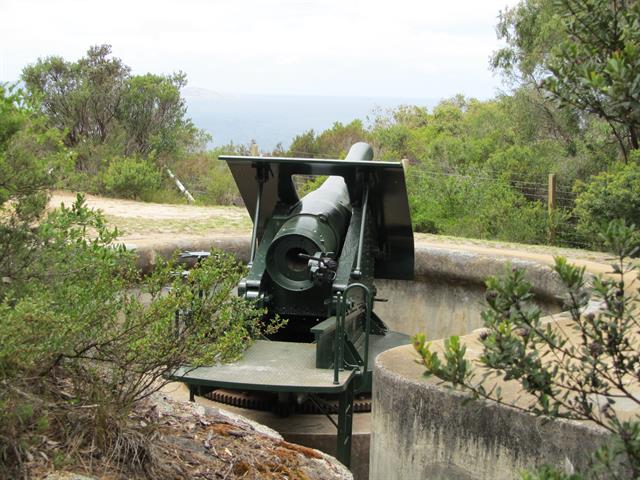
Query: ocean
x=273 y=119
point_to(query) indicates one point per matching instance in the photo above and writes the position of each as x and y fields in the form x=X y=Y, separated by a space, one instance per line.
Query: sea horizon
x=272 y=119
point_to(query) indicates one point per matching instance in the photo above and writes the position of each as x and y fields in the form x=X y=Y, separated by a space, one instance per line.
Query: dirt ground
x=141 y=222
x=155 y=221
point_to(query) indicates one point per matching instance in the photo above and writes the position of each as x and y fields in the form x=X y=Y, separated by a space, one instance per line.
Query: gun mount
x=313 y=261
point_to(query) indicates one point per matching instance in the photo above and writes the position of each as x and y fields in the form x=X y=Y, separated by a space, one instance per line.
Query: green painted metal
x=388 y=198
x=316 y=224
x=314 y=261
x=269 y=366
x=262 y=175
x=357 y=273
x=345 y=425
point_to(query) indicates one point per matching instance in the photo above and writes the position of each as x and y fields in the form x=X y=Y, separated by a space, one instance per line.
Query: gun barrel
x=318 y=223
x=360 y=151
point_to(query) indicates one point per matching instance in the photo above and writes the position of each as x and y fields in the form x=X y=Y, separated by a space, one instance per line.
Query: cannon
x=313 y=261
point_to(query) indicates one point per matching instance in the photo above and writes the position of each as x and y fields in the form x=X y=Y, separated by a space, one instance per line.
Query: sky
x=393 y=48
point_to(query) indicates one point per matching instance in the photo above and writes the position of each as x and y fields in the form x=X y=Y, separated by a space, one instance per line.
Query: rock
x=216 y=439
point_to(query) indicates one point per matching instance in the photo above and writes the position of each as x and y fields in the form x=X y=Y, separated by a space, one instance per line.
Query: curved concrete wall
x=149 y=252
x=421 y=428
x=447 y=295
x=445 y=298
x=424 y=430
x=437 y=307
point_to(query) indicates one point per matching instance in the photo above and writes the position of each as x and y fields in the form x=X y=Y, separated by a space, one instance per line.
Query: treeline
x=476 y=168
x=481 y=168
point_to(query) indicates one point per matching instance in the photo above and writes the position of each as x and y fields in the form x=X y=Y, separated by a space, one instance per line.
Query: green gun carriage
x=313 y=261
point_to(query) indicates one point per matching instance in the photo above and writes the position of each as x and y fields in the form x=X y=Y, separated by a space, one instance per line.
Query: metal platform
x=269 y=366
x=290 y=367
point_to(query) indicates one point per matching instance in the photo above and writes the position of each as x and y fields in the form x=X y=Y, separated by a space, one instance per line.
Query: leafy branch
x=576 y=369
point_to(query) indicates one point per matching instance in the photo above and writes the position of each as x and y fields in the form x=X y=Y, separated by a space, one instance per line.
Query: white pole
x=181 y=187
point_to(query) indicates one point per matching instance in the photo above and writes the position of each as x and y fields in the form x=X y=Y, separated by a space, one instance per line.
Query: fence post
x=551 y=203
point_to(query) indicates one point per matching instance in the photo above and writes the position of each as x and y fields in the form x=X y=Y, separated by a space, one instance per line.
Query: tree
x=80 y=98
x=153 y=115
x=597 y=69
x=578 y=376
x=333 y=142
x=304 y=145
x=530 y=29
x=105 y=111
x=584 y=54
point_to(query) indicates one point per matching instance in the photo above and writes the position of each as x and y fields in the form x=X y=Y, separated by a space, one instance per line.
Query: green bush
x=168 y=193
x=608 y=196
x=130 y=177
x=310 y=185
x=84 y=338
x=474 y=207
x=220 y=188
x=207 y=178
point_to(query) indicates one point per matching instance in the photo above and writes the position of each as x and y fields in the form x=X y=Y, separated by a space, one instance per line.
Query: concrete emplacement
x=445 y=298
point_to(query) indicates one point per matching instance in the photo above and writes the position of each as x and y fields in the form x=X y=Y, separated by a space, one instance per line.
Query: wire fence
x=562 y=229
x=557 y=197
x=558 y=200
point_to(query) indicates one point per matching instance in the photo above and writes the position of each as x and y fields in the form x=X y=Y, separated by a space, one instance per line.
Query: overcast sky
x=393 y=48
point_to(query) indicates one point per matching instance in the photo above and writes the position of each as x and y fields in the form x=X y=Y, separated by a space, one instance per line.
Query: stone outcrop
x=193 y=441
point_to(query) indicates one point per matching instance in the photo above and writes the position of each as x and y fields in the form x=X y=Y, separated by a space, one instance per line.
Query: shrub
x=207 y=178
x=130 y=177
x=474 y=207
x=308 y=184
x=609 y=195
x=84 y=338
x=221 y=188
x=579 y=371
